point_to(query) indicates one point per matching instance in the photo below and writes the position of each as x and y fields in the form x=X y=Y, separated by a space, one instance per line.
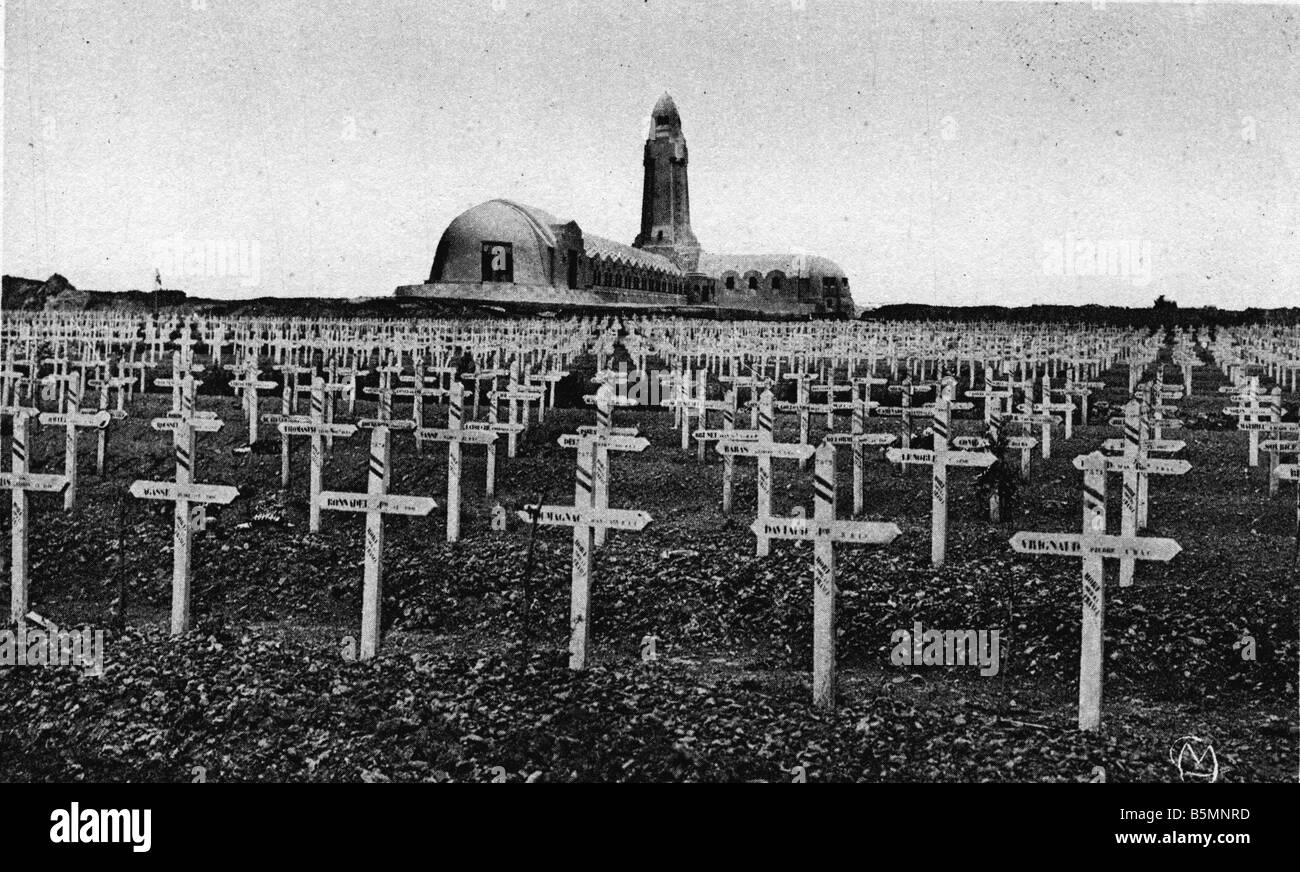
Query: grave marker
x=375 y=503
x=1093 y=546
x=824 y=531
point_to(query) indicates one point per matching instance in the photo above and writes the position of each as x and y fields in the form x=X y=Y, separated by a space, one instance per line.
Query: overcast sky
x=940 y=152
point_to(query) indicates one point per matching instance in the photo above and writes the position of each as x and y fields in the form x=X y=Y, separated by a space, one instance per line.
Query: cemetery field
x=700 y=652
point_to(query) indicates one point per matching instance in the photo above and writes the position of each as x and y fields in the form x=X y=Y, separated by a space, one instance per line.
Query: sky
x=958 y=153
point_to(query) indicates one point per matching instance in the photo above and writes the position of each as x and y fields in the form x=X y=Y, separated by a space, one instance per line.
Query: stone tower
x=665 y=202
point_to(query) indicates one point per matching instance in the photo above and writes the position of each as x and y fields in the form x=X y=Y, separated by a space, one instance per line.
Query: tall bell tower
x=665 y=202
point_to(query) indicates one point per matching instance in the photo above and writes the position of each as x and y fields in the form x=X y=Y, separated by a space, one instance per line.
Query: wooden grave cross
x=1135 y=465
x=939 y=459
x=19 y=481
x=455 y=435
x=1093 y=545
x=824 y=531
x=859 y=439
x=765 y=449
x=182 y=493
x=374 y=503
x=585 y=518
x=418 y=390
x=288 y=413
x=316 y=428
x=514 y=394
x=906 y=410
x=802 y=404
x=71 y=420
x=250 y=384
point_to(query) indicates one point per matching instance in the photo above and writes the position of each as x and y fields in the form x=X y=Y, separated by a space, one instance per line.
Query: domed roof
x=501 y=220
x=529 y=230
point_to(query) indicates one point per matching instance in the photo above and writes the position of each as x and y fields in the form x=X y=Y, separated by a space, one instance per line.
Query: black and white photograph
x=626 y=391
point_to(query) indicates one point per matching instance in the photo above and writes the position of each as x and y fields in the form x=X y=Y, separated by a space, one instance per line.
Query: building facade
x=505 y=252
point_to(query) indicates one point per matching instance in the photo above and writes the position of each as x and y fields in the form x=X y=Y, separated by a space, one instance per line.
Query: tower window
x=776 y=283
x=498 y=262
x=753 y=283
x=661 y=236
x=731 y=283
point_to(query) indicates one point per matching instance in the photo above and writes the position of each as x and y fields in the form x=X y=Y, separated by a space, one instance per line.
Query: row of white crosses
x=1093 y=545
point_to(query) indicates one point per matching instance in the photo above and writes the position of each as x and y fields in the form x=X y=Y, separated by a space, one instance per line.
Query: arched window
x=660 y=237
x=753 y=283
x=731 y=283
x=776 y=280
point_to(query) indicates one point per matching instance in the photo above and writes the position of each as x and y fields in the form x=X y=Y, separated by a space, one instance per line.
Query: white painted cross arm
x=950 y=458
x=499 y=427
x=195 y=493
x=1160 y=446
x=98 y=420
x=389 y=504
x=1156 y=465
x=859 y=438
x=391 y=424
x=1270 y=426
x=787 y=450
x=613 y=443
x=456 y=434
x=853 y=532
x=1098 y=545
x=310 y=428
x=279 y=418
x=727 y=435
x=199 y=425
x=520 y=393
x=592 y=430
x=900 y=411
x=1023 y=418
x=570 y=516
x=36 y=481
